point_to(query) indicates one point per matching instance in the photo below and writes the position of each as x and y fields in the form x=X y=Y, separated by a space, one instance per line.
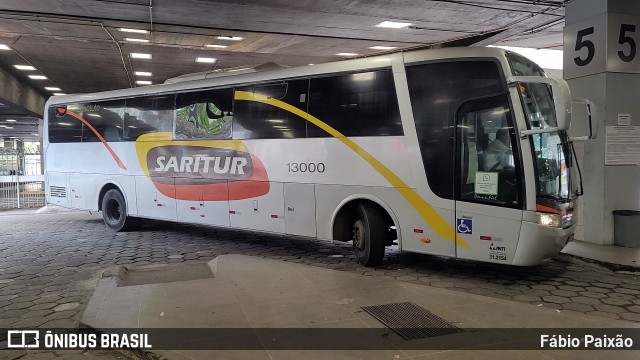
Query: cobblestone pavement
x=50 y=264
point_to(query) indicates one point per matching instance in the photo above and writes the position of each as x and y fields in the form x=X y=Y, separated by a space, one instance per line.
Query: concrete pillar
x=602 y=63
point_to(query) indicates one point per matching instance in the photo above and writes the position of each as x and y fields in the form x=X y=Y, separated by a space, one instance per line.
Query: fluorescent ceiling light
x=217 y=46
x=24 y=67
x=142 y=73
x=139 y=31
x=11 y=120
x=230 y=38
x=52 y=88
x=205 y=60
x=143 y=82
x=136 y=40
x=58 y=94
x=380 y=47
x=393 y=24
x=310 y=64
x=241 y=69
x=38 y=77
x=4 y=47
x=140 y=56
x=346 y=54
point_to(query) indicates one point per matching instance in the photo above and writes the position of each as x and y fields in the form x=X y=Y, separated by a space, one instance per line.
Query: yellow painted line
x=437 y=223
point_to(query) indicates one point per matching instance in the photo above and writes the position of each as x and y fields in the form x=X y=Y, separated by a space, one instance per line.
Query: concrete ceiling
x=77 y=44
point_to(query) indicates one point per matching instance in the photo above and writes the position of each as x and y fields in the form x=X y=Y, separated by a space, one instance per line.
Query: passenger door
x=489 y=185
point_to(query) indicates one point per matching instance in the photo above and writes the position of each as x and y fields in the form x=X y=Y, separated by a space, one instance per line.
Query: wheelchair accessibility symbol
x=464 y=226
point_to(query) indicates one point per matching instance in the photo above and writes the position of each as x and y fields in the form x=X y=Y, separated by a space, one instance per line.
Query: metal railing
x=21 y=180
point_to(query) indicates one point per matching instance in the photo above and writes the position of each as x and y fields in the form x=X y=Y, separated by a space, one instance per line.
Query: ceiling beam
x=17 y=93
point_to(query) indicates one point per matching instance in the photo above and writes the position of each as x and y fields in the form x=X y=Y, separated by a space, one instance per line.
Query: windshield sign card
x=486 y=183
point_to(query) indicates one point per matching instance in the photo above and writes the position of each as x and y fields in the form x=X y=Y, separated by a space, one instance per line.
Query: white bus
x=456 y=152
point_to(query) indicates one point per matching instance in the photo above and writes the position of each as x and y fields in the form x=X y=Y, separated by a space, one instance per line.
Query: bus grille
x=58 y=191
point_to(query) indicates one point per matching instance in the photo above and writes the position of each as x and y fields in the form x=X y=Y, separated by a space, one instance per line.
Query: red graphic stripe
x=102 y=140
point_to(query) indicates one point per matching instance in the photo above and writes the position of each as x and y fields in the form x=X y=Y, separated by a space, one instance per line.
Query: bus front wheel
x=114 y=212
x=368 y=235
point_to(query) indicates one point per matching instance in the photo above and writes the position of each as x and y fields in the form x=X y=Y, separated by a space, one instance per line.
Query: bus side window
x=360 y=104
x=64 y=128
x=204 y=114
x=148 y=114
x=437 y=90
x=257 y=120
x=106 y=119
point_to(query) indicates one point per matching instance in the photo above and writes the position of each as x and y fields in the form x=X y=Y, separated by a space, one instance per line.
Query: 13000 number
x=306 y=167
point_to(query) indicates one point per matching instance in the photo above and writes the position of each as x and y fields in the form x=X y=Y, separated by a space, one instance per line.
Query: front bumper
x=538 y=242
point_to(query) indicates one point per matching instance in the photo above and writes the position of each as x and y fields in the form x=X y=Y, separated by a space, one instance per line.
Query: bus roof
x=365 y=63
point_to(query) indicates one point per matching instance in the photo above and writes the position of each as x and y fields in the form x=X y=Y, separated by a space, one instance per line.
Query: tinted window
x=488 y=158
x=362 y=104
x=204 y=114
x=66 y=128
x=521 y=66
x=257 y=120
x=437 y=90
x=148 y=114
x=105 y=118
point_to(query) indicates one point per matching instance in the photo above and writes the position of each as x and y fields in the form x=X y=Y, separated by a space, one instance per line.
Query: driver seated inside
x=497 y=154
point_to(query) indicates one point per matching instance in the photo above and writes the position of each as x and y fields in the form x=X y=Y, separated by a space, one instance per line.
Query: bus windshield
x=552 y=156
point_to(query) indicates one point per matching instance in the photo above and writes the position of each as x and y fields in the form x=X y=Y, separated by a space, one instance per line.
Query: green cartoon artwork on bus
x=203 y=121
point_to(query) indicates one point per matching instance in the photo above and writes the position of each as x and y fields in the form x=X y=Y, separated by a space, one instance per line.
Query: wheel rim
x=358 y=234
x=113 y=211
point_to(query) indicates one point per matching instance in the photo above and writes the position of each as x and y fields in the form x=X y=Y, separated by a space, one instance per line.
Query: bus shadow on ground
x=445 y=272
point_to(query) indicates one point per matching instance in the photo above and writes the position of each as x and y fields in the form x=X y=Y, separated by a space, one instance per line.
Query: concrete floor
x=609 y=254
x=50 y=265
x=255 y=293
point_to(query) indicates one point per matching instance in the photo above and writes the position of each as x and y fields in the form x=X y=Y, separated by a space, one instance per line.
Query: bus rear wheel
x=369 y=235
x=114 y=212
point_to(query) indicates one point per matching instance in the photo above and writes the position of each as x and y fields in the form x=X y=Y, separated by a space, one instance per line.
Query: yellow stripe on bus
x=437 y=223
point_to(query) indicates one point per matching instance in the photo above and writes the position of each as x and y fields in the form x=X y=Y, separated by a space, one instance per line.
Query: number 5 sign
x=602 y=43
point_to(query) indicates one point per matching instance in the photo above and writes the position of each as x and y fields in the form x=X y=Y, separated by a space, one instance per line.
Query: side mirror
x=562 y=102
x=584 y=109
x=561 y=99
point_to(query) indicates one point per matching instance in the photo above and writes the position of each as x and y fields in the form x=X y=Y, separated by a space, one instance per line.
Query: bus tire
x=114 y=212
x=369 y=235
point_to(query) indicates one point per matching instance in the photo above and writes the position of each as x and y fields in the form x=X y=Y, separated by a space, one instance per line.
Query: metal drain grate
x=411 y=321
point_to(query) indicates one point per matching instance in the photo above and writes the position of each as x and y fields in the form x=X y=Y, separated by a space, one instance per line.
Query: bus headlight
x=567 y=220
x=550 y=220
